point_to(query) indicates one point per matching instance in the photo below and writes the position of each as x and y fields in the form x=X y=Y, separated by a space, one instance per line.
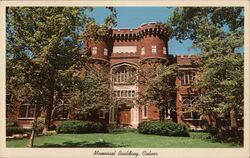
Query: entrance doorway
x=124 y=117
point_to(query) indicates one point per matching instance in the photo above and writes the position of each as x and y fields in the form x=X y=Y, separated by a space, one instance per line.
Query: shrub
x=78 y=127
x=16 y=130
x=11 y=124
x=49 y=133
x=39 y=125
x=166 y=128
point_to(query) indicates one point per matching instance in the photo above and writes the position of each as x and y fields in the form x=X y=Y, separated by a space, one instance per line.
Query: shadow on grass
x=84 y=144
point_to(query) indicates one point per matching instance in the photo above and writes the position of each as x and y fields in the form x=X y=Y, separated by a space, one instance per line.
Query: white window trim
x=190 y=77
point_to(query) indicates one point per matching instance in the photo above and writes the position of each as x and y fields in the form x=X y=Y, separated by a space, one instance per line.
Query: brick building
x=124 y=51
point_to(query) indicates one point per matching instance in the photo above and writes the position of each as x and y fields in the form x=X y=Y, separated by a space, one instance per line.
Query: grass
x=122 y=139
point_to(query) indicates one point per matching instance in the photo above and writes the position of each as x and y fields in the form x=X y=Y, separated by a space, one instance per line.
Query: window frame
x=143 y=51
x=154 y=49
x=105 y=51
x=188 y=77
x=144 y=112
x=189 y=108
x=93 y=50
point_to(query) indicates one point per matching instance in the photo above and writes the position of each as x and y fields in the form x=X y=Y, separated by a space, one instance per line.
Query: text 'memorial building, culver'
x=124 y=51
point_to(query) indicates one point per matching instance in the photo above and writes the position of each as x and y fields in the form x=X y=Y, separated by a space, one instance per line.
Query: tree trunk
x=233 y=119
x=49 y=112
x=32 y=137
x=33 y=132
x=161 y=112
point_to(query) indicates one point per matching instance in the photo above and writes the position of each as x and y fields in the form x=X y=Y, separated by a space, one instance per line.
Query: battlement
x=187 y=59
x=142 y=30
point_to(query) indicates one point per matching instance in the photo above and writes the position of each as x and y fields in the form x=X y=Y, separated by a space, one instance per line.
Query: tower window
x=164 y=50
x=142 y=51
x=105 y=51
x=154 y=50
x=187 y=78
x=94 y=50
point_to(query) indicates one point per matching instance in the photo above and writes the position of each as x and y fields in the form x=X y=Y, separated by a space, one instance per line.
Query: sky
x=132 y=17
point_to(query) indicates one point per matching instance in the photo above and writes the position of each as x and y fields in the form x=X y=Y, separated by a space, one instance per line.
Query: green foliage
x=158 y=82
x=16 y=130
x=166 y=128
x=193 y=22
x=39 y=125
x=91 y=93
x=45 y=52
x=128 y=140
x=77 y=127
x=219 y=33
x=11 y=124
x=49 y=133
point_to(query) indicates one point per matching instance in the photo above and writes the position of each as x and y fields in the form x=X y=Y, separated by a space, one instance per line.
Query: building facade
x=127 y=49
x=124 y=51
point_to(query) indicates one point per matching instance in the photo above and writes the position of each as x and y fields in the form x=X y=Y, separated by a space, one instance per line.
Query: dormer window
x=154 y=50
x=105 y=51
x=94 y=50
x=164 y=50
x=142 y=51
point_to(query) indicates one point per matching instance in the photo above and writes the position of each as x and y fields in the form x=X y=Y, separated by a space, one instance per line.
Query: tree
x=218 y=33
x=43 y=52
x=157 y=80
x=91 y=92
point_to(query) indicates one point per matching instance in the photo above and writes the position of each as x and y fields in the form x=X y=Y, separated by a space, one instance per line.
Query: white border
x=163 y=152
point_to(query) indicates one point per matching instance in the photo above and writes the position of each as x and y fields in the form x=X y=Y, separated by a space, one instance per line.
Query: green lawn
x=128 y=139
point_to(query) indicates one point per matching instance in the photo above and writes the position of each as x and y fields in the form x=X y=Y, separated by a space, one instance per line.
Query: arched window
x=124 y=74
x=188 y=109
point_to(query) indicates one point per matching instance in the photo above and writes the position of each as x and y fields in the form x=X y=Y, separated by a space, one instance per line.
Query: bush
x=166 y=128
x=49 y=133
x=16 y=130
x=78 y=127
x=39 y=125
x=11 y=124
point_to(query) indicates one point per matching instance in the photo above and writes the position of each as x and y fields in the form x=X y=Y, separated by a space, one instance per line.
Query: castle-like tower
x=125 y=50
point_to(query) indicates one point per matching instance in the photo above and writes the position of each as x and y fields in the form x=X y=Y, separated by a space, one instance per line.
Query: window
x=164 y=50
x=124 y=94
x=154 y=49
x=94 y=50
x=187 y=78
x=145 y=112
x=105 y=51
x=142 y=51
x=27 y=110
x=124 y=75
x=188 y=111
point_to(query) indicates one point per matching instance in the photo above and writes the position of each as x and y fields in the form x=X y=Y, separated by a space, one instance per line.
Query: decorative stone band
x=124 y=49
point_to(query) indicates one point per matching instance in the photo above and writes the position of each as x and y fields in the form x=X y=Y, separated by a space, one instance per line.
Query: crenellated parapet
x=187 y=60
x=146 y=41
